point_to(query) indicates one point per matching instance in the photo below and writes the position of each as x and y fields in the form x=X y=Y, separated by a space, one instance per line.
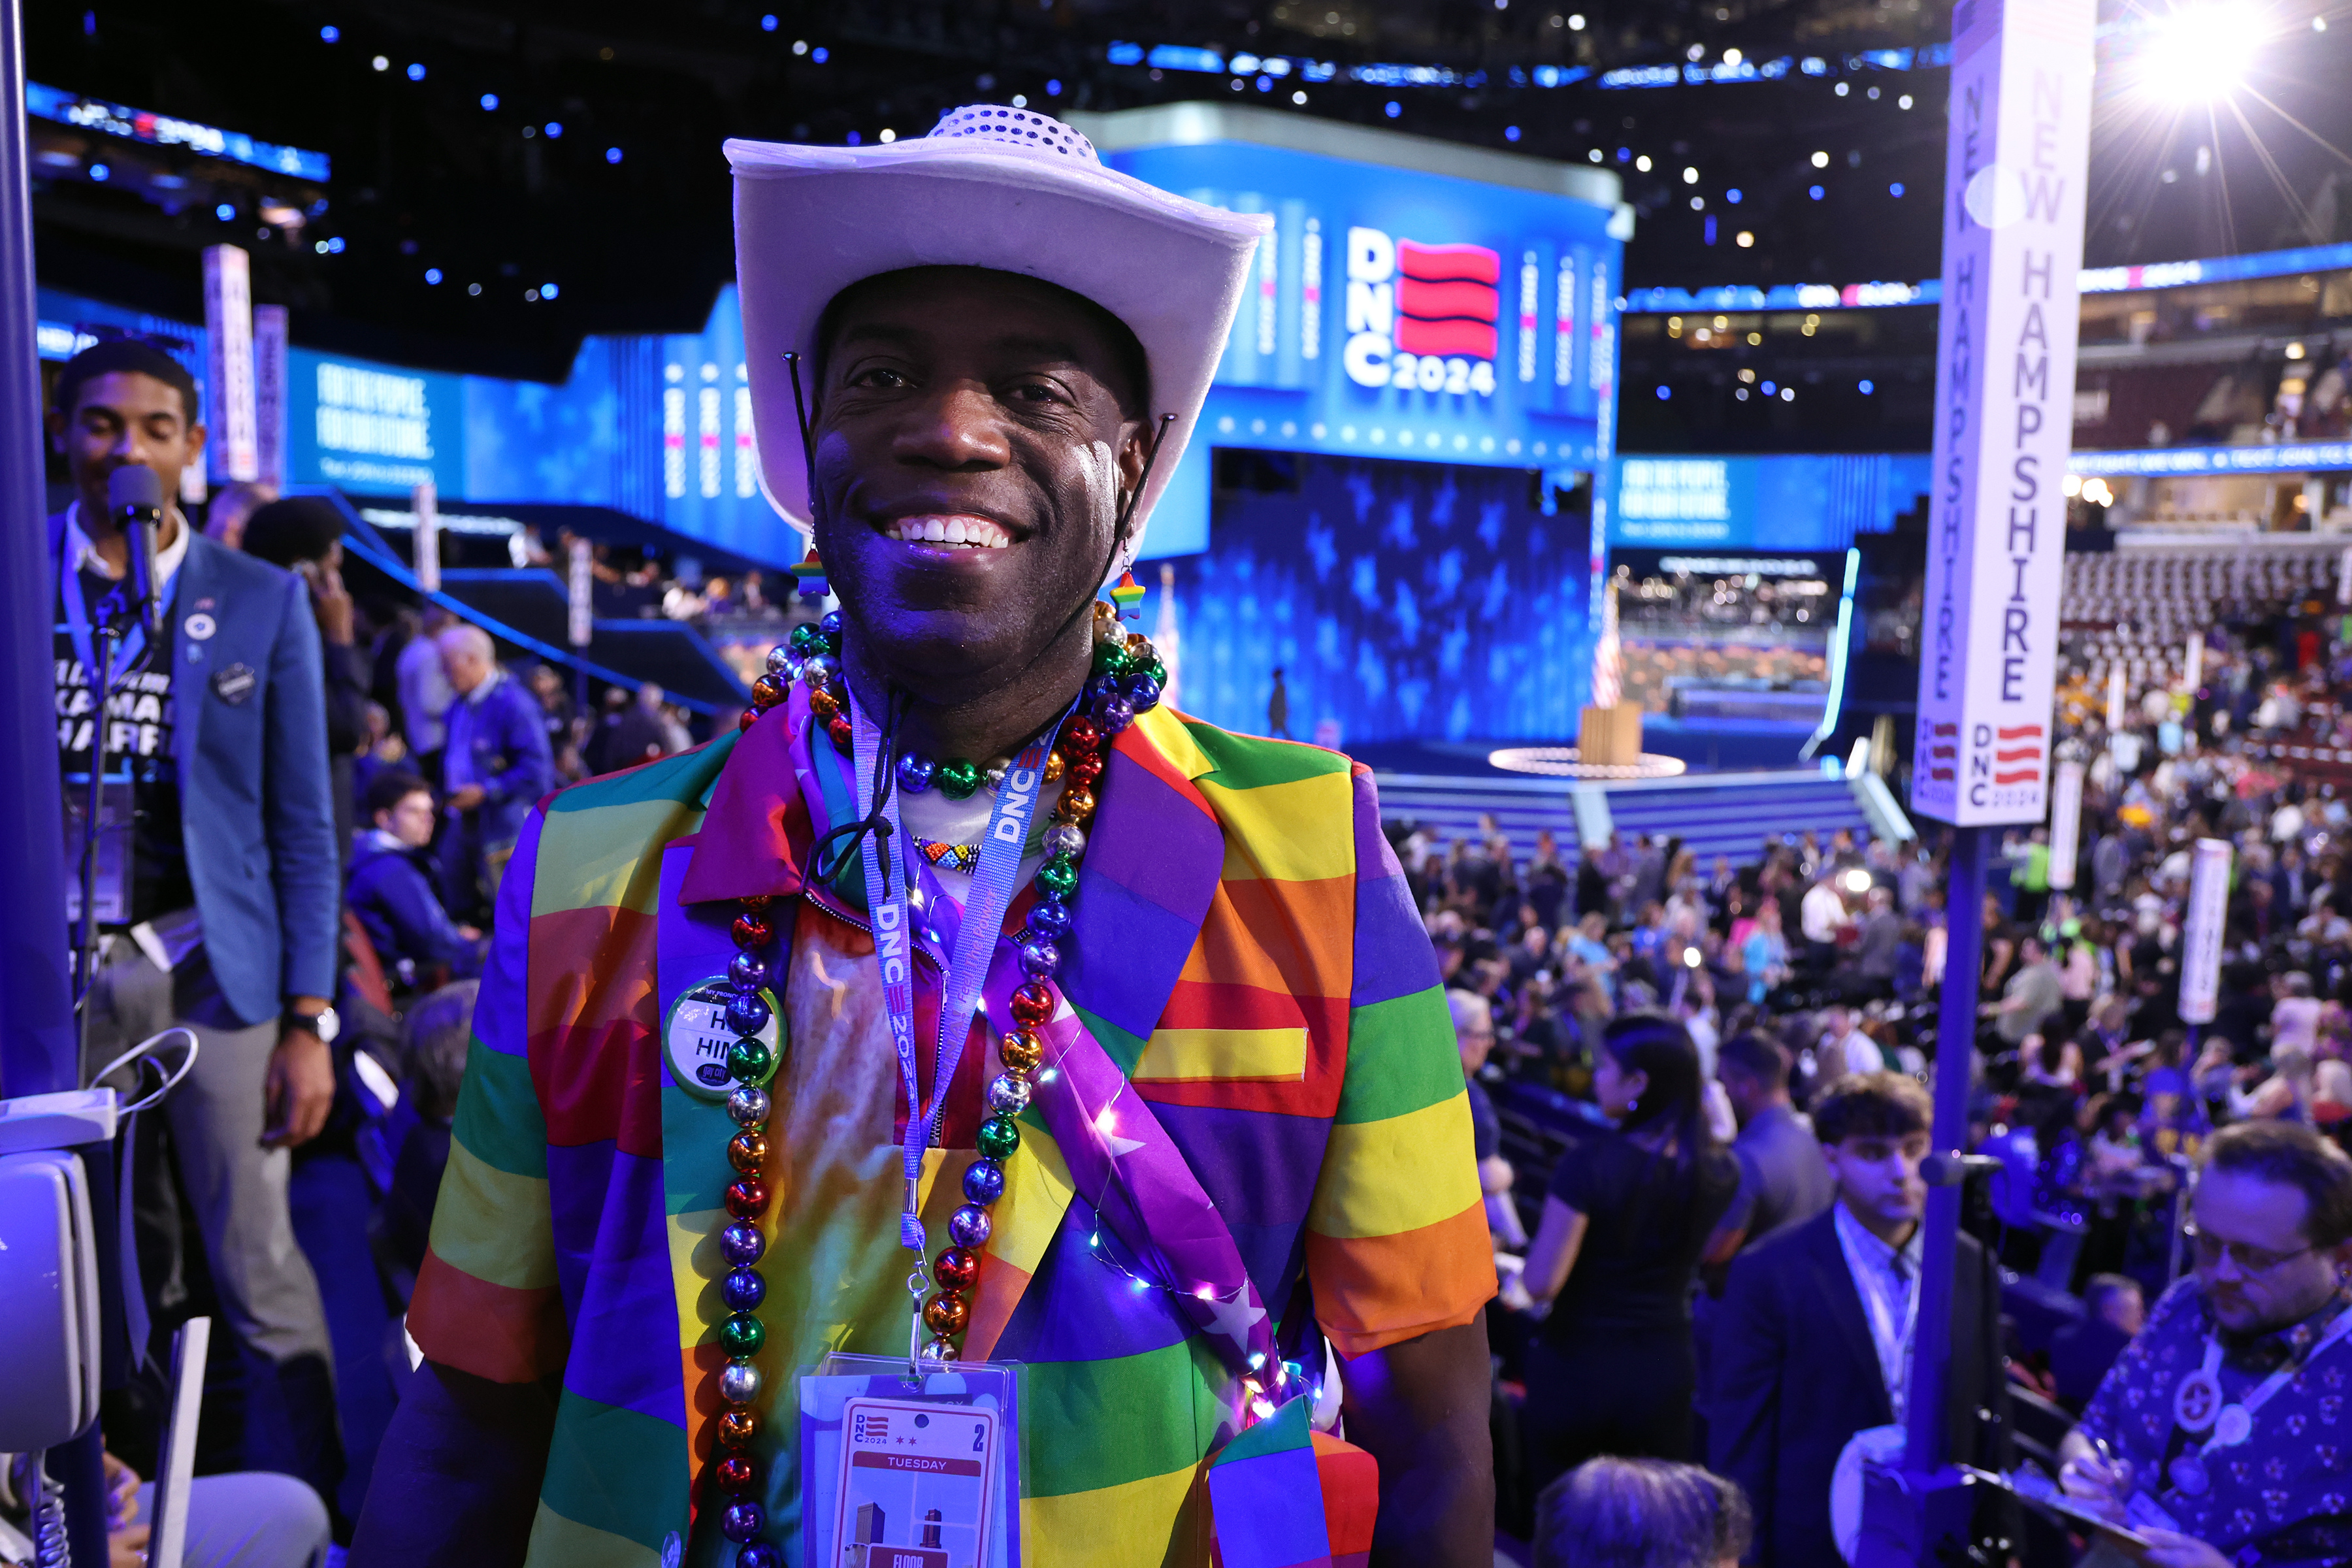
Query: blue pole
x=37 y=1027
x=1955 y=1035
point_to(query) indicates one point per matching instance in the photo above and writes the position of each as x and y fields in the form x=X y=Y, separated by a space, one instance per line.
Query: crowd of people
x=1701 y=1109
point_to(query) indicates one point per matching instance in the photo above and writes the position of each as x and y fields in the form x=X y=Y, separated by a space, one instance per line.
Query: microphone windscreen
x=133 y=484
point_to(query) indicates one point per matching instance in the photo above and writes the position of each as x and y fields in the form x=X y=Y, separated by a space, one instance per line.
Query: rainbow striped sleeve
x=1396 y=1234
x=487 y=1300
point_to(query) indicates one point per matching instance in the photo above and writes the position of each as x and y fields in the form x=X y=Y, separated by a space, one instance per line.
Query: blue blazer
x=256 y=802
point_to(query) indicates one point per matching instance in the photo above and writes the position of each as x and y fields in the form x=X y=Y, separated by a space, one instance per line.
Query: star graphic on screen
x=1232 y=1315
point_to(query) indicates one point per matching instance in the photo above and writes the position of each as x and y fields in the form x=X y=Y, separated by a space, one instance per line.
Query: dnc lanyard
x=975 y=940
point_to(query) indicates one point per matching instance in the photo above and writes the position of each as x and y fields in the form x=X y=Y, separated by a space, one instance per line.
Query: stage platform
x=1446 y=787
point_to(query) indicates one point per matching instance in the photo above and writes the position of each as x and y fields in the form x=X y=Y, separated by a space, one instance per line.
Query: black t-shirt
x=140 y=714
x=1647 y=1222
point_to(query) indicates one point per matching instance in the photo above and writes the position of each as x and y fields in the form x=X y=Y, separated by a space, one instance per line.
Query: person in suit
x=1813 y=1342
x=217 y=901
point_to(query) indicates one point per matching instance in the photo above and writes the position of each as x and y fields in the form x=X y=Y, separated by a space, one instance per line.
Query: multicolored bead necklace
x=1125 y=681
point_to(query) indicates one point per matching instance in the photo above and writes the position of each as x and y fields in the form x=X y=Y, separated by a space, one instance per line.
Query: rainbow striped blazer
x=1247 y=953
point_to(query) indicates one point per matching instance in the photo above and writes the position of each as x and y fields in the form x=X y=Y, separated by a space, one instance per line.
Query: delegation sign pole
x=2016 y=157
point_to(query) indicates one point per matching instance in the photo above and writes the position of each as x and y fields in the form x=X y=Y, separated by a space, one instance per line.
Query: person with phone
x=2220 y=1435
x=305 y=535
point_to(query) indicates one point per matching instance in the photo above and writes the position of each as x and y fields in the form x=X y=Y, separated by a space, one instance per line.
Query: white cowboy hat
x=1009 y=189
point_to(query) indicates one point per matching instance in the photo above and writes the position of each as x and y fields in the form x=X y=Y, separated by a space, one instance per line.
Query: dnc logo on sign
x=1422 y=317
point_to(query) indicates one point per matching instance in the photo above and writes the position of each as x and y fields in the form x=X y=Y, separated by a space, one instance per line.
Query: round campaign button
x=199 y=626
x=2196 y=1401
x=2232 y=1426
x=2189 y=1476
x=695 y=1038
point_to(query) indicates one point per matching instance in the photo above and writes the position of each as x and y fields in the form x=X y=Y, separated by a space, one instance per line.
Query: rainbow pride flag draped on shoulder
x=1249 y=973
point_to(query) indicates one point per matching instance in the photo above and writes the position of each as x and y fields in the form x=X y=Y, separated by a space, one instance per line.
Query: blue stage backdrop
x=1400 y=600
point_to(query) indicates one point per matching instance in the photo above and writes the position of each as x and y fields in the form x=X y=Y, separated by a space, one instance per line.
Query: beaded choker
x=1127 y=679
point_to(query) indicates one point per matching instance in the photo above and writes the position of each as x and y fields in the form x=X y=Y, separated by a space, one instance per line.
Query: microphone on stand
x=135 y=495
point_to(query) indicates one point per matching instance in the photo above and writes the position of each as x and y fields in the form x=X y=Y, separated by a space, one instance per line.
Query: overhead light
x=800 y=45
x=612 y=154
x=768 y=23
x=331 y=35
x=380 y=63
x=1821 y=159
x=490 y=101
x=547 y=290
x=2197 y=52
x=433 y=275
x=1299 y=98
x=416 y=72
x=473 y=288
x=1642 y=163
x=888 y=135
x=224 y=212
x=554 y=129
x=1576 y=21
x=1743 y=239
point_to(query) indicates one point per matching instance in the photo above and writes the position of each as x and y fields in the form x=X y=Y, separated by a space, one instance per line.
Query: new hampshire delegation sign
x=2015 y=163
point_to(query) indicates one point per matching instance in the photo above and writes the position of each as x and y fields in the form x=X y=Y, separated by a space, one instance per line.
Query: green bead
x=999 y=1138
x=1058 y=876
x=1111 y=660
x=806 y=639
x=742 y=1335
x=957 y=778
x=1154 y=671
x=751 y=1060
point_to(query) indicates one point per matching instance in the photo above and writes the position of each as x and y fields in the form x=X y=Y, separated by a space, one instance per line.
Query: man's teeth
x=973 y=533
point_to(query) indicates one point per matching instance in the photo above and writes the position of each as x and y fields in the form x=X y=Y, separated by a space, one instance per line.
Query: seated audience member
x=391 y=892
x=1783 y=1179
x=1641 y=1513
x=1812 y=1343
x=1625 y=1220
x=434 y=1058
x=2215 y=1432
x=249 y=1519
x=1474 y=1032
x=2082 y=1351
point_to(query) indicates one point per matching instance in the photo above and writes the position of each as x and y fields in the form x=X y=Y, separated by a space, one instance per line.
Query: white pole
x=2065 y=822
x=2200 y=931
x=425 y=503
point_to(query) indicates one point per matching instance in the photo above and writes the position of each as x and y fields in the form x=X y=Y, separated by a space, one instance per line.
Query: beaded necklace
x=1127 y=679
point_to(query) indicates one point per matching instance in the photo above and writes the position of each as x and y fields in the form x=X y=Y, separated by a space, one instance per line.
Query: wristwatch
x=325 y=1022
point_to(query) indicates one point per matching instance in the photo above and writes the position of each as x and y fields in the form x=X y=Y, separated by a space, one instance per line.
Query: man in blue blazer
x=216 y=896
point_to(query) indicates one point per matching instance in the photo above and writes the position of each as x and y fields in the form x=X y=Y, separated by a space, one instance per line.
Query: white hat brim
x=811 y=221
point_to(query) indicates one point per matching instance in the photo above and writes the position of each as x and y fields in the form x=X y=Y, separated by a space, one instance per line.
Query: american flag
x=1608 y=658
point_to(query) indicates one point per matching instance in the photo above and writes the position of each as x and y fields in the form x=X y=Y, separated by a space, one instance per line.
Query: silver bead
x=992 y=775
x=739 y=1382
x=940 y=1351
x=780 y=660
x=747 y=1106
x=1007 y=1095
x=818 y=668
x=1066 y=839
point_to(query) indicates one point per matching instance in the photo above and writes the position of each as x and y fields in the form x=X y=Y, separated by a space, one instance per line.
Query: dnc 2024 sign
x=1439 y=304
